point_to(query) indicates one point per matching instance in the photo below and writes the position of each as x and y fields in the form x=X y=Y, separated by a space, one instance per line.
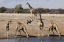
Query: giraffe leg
x=16 y=34
x=38 y=34
x=42 y=32
x=32 y=15
x=49 y=31
x=35 y=15
x=20 y=32
x=25 y=32
x=57 y=30
x=7 y=33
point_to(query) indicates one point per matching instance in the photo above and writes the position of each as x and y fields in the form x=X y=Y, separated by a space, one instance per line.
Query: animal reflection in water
x=53 y=26
x=22 y=40
x=21 y=26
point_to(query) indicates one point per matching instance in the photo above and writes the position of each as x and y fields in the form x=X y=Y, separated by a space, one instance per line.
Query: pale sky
x=54 y=4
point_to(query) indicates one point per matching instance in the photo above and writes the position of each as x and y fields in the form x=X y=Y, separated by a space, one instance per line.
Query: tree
x=18 y=9
x=47 y=10
x=2 y=9
x=41 y=10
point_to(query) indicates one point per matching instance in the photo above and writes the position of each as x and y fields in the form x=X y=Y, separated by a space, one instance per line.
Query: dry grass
x=33 y=27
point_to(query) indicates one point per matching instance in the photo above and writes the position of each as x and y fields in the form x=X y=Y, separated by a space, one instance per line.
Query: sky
x=51 y=4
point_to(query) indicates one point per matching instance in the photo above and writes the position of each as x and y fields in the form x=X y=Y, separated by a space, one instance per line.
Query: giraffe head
x=10 y=21
x=52 y=22
x=19 y=23
x=27 y=3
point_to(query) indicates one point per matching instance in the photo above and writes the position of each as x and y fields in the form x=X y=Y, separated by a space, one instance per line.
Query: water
x=35 y=39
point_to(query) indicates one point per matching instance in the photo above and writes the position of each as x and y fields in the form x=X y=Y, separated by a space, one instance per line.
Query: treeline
x=38 y=10
x=19 y=9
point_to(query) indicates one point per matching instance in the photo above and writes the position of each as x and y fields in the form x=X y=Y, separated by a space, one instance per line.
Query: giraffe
x=41 y=24
x=31 y=11
x=54 y=26
x=21 y=26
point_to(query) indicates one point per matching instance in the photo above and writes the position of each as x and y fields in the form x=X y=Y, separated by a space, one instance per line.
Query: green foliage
x=18 y=9
x=2 y=9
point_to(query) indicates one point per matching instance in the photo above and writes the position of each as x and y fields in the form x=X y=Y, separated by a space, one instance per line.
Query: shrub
x=18 y=9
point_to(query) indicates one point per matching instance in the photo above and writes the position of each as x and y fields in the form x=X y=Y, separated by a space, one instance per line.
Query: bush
x=2 y=9
x=18 y=9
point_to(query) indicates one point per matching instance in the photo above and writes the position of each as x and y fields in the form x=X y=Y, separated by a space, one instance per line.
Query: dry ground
x=32 y=28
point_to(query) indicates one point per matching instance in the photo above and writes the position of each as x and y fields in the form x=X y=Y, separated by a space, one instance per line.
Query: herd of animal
x=20 y=26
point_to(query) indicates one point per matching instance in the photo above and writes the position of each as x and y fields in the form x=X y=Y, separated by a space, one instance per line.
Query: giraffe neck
x=40 y=18
x=30 y=6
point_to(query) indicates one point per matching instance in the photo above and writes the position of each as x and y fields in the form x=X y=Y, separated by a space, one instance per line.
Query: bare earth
x=32 y=28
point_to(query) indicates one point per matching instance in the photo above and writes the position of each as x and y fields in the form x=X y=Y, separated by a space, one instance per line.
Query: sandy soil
x=32 y=28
